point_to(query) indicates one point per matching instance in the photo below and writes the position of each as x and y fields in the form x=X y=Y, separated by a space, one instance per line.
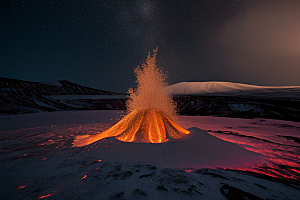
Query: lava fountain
x=151 y=111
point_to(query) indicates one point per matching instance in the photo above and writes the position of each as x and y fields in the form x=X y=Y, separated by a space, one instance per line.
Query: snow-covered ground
x=232 y=158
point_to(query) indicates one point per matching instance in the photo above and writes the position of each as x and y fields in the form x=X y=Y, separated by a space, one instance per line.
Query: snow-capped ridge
x=188 y=88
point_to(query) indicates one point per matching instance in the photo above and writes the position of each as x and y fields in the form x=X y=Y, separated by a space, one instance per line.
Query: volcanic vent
x=151 y=111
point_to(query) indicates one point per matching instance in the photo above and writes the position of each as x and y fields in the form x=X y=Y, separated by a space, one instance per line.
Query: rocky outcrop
x=225 y=106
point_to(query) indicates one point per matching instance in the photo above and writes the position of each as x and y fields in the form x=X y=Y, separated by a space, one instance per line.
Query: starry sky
x=99 y=43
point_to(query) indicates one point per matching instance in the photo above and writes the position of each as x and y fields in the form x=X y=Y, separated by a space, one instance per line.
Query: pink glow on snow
x=281 y=158
x=21 y=187
x=41 y=197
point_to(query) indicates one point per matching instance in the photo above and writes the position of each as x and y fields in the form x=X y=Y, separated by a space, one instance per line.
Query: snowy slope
x=193 y=88
x=38 y=160
x=195 y=150
x=237 y=100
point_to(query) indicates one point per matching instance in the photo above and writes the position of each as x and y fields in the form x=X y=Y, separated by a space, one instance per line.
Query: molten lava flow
x=151 y=111
x=142 y=125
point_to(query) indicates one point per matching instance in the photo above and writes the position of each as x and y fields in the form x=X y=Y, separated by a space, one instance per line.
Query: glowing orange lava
x=151 y=111
x=143 y=125
x=83 y=177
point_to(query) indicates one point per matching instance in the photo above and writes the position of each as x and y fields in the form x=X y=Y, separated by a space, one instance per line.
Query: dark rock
x=18 y=96
x=187 y=192
x=151 y=167
x=138 y=166
x=118 y=167
x=161 y=188
x=123 y=175
x=94 y=162
x=176 y=190
x=126 y=174
x=296 y=139
x=261 y=186
x=216 y=176
x=171 y=176
x=37 y=190
x=84 y=163
x=250 y=107
x=117 y=196
x=147 y=175
x=138 y=192
x=232 y=193
x=194 y=188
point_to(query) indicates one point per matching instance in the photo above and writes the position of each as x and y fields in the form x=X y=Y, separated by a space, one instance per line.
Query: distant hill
x=62 y=87
x=233 y=89
x=195 y=98
x=19 y=96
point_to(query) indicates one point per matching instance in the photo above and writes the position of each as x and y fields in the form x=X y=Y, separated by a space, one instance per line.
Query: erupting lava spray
x=150 y=92
x=151 y=111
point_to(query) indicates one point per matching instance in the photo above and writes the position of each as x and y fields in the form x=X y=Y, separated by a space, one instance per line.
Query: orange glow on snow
x=83 y=177
x=151 y=111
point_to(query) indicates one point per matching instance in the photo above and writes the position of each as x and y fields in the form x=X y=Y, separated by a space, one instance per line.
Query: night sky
x=99 y=43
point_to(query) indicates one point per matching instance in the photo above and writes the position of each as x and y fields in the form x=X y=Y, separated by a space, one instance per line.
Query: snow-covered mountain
x=61 y=87
x=18 y=96
x=229 y=88
x=237 y=100
x=199 y=98
x=240 y=107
